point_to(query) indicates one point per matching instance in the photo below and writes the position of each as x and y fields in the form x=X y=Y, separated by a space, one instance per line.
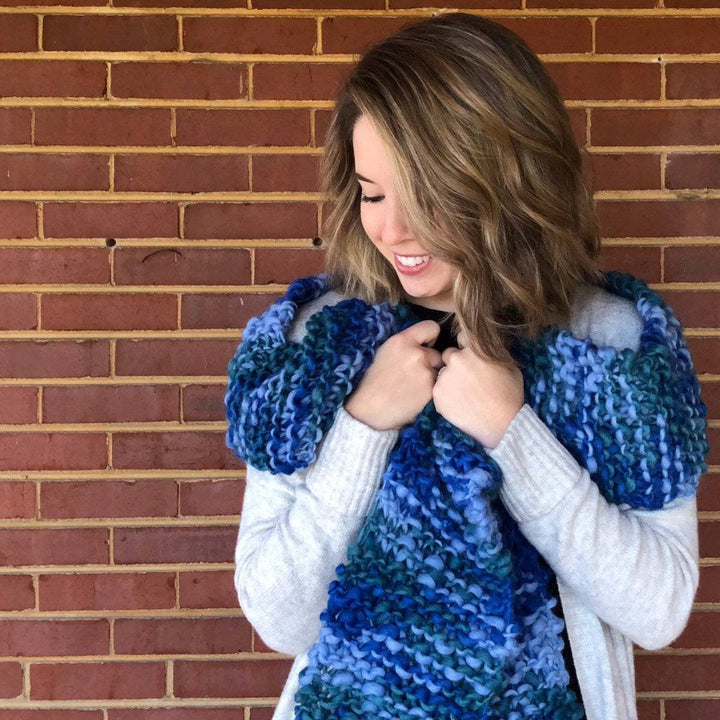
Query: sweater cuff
x=350 y=463
x=538 y=471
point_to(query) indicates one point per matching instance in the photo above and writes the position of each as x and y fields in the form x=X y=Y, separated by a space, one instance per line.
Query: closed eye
x=376 y=198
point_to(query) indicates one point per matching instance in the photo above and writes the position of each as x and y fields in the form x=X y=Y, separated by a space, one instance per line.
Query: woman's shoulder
x=297 y=329
x=605 y=318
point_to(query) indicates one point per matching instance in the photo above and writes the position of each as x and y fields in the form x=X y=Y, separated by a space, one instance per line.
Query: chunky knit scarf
x=442 y=609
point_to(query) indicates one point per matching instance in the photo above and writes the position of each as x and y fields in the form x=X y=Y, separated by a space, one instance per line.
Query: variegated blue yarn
x=442 y=609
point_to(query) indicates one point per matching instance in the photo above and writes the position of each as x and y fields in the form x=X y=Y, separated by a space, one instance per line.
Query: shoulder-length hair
x=487 y=171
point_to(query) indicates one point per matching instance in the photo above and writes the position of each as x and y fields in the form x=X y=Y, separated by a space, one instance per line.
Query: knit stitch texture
x=442 y=609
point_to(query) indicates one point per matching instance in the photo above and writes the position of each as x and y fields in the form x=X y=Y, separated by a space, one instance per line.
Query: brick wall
x=158 y=175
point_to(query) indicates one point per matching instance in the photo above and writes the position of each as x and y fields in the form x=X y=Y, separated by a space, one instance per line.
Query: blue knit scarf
x=442 y=609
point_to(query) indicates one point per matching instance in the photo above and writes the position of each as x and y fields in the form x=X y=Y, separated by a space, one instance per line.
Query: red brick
x=17 y=499
x=53 y=451
x=181 y=173
x=692 y=263
x=208 y=590
x=174 y=357
x=291 y=173
x=299 y=81
x=54 y=637
x=276 y=35
x=108 y=498
x=11 y=680
x=18 y=312
x=626 y=171
x=18 y=220
x=182 y=636
x=259 y=127
x=115 y=220
x=711 y=396
x=262 y=713
x=543 y=35
x=708 y=496
x=15 y=126
x=240 y=678
x=24 y=171
x=111 y=33
x=250 y=220
x=657 y=35
x=648 y=709
x=573 y=4
x=651 y=218
x=606 y=80
x=174 y=450
x=285 y=265
x=181 y=3
x=52 y=78
x=49 y=714
x=83 y=546
x=655 y=126
x=18 y=405
x=204 y=402
x=61 y=266
x=690 y=708
x=18 y=33
x=709 y=532
x=182 y=266
x=702 y=631
x=175 y=544
x=642 y=262
x=673 y=673
x=110 y=591
x=104 y=403
x=223 y=311
x=330 y=4
x=692 y=80
x=203 y=80
x=695 y=308
x=102 y=126
x=692 y=171
x=463 y=4
x=212 y=497
x=578 y=122
x=57 y=358
x=203 y=713
x=109 y=312
x=705 y=353
x=101 y=680
x=18 y=594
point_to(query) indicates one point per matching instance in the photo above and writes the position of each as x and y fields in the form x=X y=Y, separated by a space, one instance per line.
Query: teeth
x=412 y=261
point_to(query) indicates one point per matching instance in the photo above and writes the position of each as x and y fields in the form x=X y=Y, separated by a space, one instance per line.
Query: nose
x=395 y=229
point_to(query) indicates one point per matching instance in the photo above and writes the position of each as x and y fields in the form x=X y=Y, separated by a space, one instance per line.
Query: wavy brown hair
x=487 y=171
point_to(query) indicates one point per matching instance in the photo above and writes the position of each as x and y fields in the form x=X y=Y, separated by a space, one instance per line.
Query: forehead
x=371 y=158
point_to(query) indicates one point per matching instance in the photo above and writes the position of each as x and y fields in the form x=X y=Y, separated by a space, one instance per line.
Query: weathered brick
x=108 y=498
x=112 y=33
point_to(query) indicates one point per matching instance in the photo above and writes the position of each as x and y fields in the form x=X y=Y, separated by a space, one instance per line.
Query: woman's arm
x=635 y=569
x=295 y=529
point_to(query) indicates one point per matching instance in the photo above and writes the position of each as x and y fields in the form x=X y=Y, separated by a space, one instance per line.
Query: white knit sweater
x=623 y=575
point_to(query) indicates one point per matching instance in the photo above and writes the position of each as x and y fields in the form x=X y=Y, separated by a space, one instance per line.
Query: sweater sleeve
x=637 y=570
x=295 y=530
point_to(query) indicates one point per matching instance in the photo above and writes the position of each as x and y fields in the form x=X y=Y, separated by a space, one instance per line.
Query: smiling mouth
x=417 y=265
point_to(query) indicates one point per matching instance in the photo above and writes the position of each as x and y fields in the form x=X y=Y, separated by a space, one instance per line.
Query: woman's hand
x=477 y=396
x=399 y=382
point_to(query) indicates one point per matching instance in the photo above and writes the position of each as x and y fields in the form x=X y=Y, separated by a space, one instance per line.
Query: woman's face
x=428 y=281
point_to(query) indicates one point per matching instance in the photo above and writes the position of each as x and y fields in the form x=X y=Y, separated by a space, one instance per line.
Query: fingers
x=424 y=332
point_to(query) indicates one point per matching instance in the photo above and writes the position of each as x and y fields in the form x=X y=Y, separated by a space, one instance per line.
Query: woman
x=462 y=498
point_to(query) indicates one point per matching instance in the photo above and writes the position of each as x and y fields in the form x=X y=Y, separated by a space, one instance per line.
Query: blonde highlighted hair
x=487 y=170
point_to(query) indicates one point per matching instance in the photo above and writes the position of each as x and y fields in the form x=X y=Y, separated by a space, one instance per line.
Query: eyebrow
x=361 y=177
